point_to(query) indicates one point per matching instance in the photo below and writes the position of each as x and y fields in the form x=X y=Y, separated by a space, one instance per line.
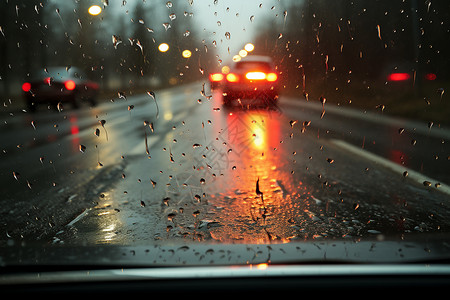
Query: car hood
x=201 y=254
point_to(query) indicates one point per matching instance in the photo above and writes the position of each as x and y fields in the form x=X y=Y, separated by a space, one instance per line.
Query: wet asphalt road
x=132 y=171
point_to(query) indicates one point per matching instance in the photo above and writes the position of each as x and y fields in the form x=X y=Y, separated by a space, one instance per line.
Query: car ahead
x=253 y=77
x=59 y=85
x=407 y=75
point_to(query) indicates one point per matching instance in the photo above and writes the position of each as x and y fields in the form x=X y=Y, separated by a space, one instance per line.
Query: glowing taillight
x=398 y=76
x=255 y=75
x=70 y=85
x=272 y=77
x=430 y=76
x=216 y=77
x=232 y=77
x=26 y=87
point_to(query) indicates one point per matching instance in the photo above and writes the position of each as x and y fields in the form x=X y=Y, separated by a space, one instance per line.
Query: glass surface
x=130 y=143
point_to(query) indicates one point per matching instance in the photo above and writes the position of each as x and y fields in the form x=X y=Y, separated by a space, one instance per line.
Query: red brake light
x=70 y=85
x=430 y=76
x=26 y=87
x=272 y=77
x=255 y=75
x=398 y=76
x=232 y=77
x=216 y=77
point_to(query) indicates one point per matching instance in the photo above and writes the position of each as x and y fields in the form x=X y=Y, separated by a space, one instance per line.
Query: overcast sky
x=234 y=17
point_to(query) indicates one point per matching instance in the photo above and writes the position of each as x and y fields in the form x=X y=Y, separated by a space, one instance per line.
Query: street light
x=94 y=10
x=163 y=47
x=236 y=58
x=243 y=53
x=186 y=53
x=249 y=47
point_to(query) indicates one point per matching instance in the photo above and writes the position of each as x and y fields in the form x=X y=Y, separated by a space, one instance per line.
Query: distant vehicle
x=253 y=77
x=406 y=72
x=59 y=85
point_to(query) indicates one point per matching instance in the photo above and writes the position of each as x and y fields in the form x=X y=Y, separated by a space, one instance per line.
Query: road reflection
x=260 y=194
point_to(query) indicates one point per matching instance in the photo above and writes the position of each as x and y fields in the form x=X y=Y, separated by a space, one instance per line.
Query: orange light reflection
x=257 y=155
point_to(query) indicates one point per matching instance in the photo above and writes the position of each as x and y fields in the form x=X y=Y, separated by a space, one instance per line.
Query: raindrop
x=102 y=122
x=121 y=95
x=152 y=94
x=142 y=203
x=97 y=132
x=258 y=192
x=82 y=148
x=59 y=15
x=379 y=31
x=172 y=16
x=166 y=201
x=138 y=43
x=227 y=35
x=441 y=92
x=166 y=26
x=171 y=216
x=116 y=40
x=252 y=18
x=16 y=175
x=169 y=4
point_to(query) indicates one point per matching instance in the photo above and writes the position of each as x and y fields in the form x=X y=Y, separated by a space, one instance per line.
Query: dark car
x=253 y=77
x=59 y=85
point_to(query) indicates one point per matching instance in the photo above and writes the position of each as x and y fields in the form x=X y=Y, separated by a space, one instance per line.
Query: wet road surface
x=133 y=171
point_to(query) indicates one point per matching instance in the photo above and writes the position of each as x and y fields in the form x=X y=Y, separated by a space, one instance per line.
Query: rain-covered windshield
x=151 y=134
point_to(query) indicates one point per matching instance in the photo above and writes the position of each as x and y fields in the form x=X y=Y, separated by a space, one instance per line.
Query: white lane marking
x=412 y=175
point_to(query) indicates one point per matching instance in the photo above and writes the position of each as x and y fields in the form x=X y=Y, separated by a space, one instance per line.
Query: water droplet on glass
x=227 y=35
x=116 y=40
x=152 y=94
x=16 y=175
x=102 y=122
x=121 y=95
